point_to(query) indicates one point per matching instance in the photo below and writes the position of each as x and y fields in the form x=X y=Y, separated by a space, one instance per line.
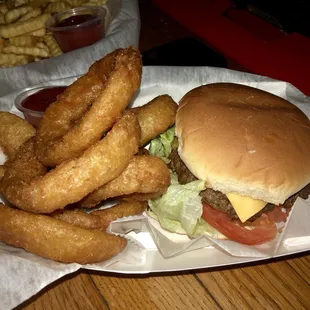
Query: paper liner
x=170 y=244
x=24 y=274
x=296 y=235
x=133 y=254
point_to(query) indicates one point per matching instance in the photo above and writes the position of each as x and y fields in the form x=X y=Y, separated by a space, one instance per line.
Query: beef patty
x=218 y=200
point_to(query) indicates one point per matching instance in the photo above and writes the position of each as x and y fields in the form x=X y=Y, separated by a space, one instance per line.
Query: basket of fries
x=29 y=52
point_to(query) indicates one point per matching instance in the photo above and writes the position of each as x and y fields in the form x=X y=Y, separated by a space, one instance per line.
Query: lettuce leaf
x=179 y=209
x=161 y=146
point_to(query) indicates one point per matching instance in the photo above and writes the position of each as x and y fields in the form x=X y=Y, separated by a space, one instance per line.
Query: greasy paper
x=142 y=255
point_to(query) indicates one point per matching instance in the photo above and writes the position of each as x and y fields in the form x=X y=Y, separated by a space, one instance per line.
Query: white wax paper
x=24 y=274
x=124 y=30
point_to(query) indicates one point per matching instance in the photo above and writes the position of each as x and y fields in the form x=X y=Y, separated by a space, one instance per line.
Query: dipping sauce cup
x=33 y=102
x=77 y=27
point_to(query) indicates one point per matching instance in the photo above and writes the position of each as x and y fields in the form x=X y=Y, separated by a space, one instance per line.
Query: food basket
x=147 y=250
x=122 y=29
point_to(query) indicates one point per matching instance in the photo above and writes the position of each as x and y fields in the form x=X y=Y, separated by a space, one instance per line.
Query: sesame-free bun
x=244 y=140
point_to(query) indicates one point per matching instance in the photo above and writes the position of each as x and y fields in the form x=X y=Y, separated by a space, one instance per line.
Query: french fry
x=31 y=51
x=34 y=13
x=2 y=20
x=20 y=62
x=38 y=33
x=99 y=2
x=18 y=3
x=39 y=3
x=24 y=40
x=57 y=7
x=95 y=3
x=23 y=32
x=14 y=14
x=24 y=61
x=3 y=8
x=52 y=45
x=23 y=27
x=43 y=46
x=10 y=4
x=1 y=44
x=75 y=3
x=10 y=59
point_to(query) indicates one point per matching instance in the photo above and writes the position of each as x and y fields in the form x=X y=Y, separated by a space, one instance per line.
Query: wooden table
x=281 y=284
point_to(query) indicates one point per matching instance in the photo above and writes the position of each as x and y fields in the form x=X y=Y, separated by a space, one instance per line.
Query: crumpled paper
x=24 y=274
x=124 y=30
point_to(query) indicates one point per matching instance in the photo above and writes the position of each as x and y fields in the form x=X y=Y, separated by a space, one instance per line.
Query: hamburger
x=245 y=153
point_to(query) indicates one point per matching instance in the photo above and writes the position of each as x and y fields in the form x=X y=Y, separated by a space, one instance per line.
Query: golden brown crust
x=100 y=219
x=241 y=139
x=2 y=171
x=144 y=174
x=81 y=219
x=55 y=239
x=88 y=107
x=73 y=180
x=155 y=117
x=122 y=209
x=14 y=131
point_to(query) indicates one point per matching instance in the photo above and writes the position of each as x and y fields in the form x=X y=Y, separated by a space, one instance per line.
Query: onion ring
x=14 y=131
x=80 y=218
x=140 y=196
x=144 y=174
x=100 y=219
x=122 y=209
x=155 y=117
x=89 y=107
x=2 y=171
x=74 y=179
x=55 y=239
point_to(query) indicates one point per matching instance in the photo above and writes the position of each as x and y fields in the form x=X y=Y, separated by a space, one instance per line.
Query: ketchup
x=86 y=30
x=40 y=100
x=75 y=20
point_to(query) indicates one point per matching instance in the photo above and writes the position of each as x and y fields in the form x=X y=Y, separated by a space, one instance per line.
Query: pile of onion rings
x=87 y=149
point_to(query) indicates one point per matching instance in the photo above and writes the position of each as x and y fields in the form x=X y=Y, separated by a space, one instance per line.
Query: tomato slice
x=250 y=233
x=279 y=214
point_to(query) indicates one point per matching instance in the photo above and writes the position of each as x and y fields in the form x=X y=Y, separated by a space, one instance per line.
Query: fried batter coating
x=89 y=107
x=81 y=219
x=122 y=209
x=100 y=219
x=14 y=131
x=55 y=239
x=155 y=117
x=24 y=166
x=144 y=174
x=141 y=196
x=74 y=179
x=2 y=171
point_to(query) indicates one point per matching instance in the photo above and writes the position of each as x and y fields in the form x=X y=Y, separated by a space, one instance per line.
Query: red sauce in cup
x=40 y=100
x=75 y=20
x=89 y=29
x=34 y=104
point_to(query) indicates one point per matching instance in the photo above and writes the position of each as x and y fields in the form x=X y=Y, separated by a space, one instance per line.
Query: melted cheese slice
x=244 y=206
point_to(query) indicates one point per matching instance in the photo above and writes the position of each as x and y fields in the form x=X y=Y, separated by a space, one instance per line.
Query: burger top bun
x=244 y=140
